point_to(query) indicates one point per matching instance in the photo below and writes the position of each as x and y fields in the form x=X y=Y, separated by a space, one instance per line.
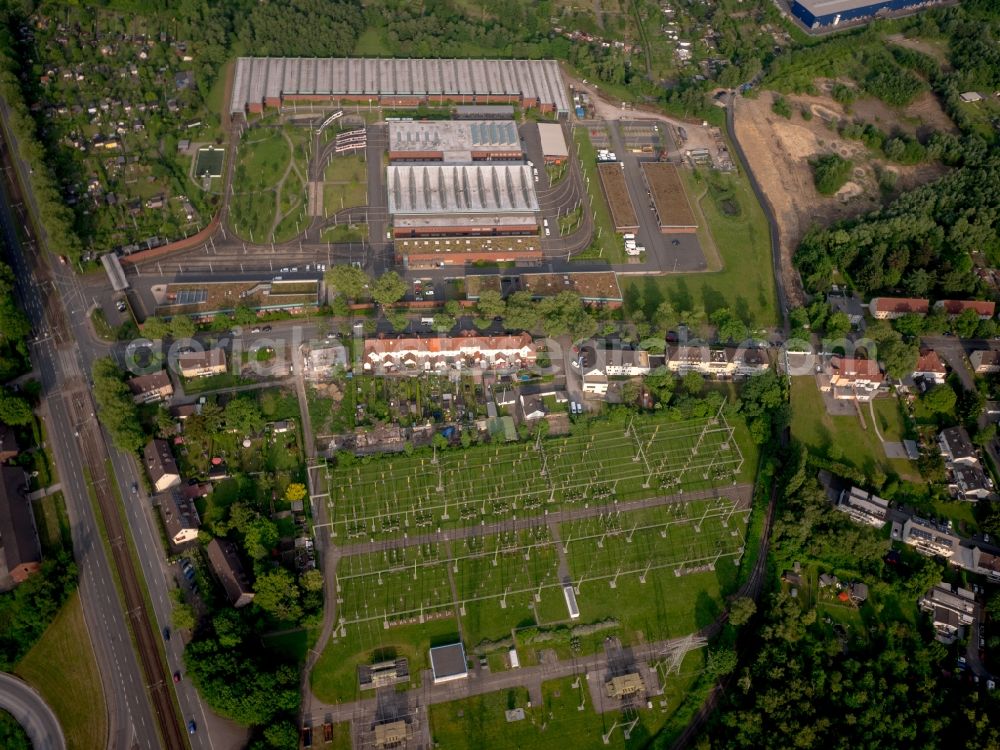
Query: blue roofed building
x=816 y=13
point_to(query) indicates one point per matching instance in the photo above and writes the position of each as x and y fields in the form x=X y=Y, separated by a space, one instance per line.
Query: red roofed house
x=955 y=307
x=888 y=308
x=418 y=354
x=858 y=379
x=930 y=368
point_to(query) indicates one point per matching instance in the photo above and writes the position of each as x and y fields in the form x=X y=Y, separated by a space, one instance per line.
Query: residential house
x=160 y=465
x=858 y=592
x=849 y=378
x=930 y=368
x=596 y=383
x=978 y=561
x=8 y=443
x=180 y=517
x=863 y=507
x=202 y=364
x=969 y=483
x=929 y=538
x=985 y=361
x=951 y=608
x=184 y=411
x=890 y=308
x=955 y=307
x=957 y=448
x=532 y=407
x=419 y=354
x=848 y=304
x=728 y=362
x=625 y=362
x=20 y=551
x=324 y=362
x=148 y=389
x=226 y=565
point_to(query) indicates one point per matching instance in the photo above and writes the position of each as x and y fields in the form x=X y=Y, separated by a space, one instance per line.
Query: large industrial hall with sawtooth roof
x=261 y=82
x=474 y=199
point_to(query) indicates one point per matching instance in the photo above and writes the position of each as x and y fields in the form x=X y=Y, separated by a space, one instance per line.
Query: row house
x=418 y=354
x=966 y=478
x=890 y=308
x=149 y=389
x=729 y=362
x=955 y=307
x=930 y=539
x=951 y=608
x=863 y=507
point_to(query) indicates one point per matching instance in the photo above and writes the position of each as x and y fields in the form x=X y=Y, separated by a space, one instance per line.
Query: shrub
x=830 y=172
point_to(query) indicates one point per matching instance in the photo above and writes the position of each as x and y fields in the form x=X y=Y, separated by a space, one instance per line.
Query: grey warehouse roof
x=478 y=188
x=453 y=137
x=258 y=78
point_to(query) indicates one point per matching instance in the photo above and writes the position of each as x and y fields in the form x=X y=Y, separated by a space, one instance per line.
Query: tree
x=830 y=172
x=838 y=325
x=155 y=328
x=522 y=313
x=182 y=616
x=295 y=491
x=388 y=289
x=243 y=416
x=275 y=592
x=181 y=327
x=940 y=399
x=899 y=358
x=312 y=580
x=348 y=281
x=282 y=734
x=693 y=382
x=490 y=304
x=14 y=410
x=966 y=323
x=721 y=662
x=985 y=435
x=116 y=409
x=244 y=315
x=741 y=610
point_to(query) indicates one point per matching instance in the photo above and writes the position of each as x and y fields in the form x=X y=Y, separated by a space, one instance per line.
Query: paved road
x=31 y=711
x=64 y=365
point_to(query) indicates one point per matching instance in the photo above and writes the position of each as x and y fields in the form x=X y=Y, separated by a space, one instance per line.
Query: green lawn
x=63 y=669
x=335 y=676
x=479 y=723
x=739 y=230
x=52 y=523
x=345 y=183
x=890 y=419
x=840 y=438
x=608 y=245
x=345 y=233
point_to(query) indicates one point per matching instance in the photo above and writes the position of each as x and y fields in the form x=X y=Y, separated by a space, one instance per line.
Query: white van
x=427 y=321
x=545 y=223
x=629 y=236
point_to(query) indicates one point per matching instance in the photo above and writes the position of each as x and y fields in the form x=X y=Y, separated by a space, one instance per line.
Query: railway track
x=142 y=626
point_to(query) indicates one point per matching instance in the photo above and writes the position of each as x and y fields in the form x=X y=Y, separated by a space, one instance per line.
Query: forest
x=828 y=675
x=929 y=240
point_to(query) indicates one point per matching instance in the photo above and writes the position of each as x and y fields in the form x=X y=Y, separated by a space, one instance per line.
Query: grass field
x=739 y=231
x=52 y=523
x=385 y=498
x=608 y=245
x=642 y=572
x=63 y=669
x=346 y=183
x=890 y=418
x=479 y=723
x=841 y=438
